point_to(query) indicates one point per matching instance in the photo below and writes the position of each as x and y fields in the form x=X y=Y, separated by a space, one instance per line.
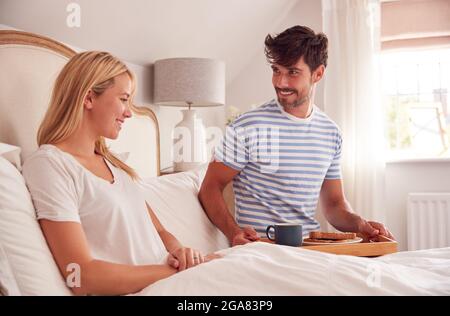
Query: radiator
x=428 y=220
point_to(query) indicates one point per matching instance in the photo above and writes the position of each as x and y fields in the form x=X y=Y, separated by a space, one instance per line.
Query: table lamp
x=189 y=82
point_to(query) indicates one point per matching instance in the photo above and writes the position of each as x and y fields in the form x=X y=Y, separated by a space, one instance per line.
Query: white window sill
x=418 y=160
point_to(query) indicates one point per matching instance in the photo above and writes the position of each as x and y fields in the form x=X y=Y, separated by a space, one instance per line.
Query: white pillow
x=22 y=242
x=8 y=284
x=174 y=200
x=11 y=153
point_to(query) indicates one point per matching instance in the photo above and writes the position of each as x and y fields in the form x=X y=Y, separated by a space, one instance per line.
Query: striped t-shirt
x=283 y=161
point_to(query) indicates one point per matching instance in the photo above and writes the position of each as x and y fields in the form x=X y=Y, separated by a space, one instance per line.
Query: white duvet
x=266 y=269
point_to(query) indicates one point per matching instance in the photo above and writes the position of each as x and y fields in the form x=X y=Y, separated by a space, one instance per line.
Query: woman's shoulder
x=44 y=152
x=45 y=157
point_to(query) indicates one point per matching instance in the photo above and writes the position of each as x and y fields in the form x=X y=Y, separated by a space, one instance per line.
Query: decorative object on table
x=189 y=82
x=233 y=113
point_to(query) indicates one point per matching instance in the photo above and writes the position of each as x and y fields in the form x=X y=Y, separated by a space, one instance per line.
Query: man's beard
x=302 y=99
x=295 y=104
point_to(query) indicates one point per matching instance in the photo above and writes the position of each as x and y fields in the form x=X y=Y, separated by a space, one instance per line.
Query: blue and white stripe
x=283 y=162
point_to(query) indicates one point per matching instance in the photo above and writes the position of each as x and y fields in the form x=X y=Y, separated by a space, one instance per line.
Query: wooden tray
x=363 y=249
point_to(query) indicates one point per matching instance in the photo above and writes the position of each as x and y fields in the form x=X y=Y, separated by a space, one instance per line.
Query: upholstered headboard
x=29 y=65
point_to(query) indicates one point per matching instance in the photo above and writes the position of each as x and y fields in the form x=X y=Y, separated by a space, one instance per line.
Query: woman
x=87 y=202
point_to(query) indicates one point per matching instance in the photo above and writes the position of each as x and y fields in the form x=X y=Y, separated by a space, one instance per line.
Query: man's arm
x=336 y=208
x=210 y=195
x=339 y=213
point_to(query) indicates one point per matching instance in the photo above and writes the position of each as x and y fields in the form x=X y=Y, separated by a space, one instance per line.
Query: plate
x=315 y=243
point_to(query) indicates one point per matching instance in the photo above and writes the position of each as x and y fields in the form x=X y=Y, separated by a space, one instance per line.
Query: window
x=416 y=87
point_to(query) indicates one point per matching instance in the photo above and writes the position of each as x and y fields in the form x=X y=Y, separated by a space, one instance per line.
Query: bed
x=29 y=64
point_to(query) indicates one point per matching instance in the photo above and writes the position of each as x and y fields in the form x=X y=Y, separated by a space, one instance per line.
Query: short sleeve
x=334 y=171
x=52 y=189
x=232 y=150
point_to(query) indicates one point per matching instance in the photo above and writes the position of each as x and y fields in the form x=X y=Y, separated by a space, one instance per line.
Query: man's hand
x=184 y=258
x=370 y=230
x=244 y=236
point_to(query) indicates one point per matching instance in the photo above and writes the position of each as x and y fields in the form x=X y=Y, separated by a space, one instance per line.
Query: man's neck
x=302 y=111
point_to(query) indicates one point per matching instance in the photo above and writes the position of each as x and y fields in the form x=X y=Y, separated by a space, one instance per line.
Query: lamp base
x=189 y=147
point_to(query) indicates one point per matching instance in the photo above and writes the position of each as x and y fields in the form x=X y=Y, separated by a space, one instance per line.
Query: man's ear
x=88 y=100
x=318 y=73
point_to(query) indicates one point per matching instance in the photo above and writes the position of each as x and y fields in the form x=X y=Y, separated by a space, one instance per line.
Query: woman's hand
x=212 y=256
x=184 y=258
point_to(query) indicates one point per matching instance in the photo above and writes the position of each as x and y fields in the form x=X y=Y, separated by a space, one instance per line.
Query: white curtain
x=352 y=99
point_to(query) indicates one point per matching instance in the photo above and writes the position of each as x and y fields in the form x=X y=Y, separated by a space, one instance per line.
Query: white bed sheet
x=265 y=269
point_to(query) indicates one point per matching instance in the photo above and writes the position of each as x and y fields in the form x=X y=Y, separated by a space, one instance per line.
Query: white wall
x=405 y=177
x=253 y=85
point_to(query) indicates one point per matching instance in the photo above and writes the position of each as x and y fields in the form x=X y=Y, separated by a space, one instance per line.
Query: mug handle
x=268 y=234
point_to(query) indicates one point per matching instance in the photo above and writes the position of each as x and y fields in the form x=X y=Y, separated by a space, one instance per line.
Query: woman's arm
x=68 y=245
x=169 y=240
x=180 y=257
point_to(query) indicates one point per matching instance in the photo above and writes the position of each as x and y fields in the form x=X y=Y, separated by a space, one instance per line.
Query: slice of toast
x=331 y=236
x=326 y=241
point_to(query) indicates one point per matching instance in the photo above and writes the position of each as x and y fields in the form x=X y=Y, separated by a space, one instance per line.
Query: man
x=285 y=154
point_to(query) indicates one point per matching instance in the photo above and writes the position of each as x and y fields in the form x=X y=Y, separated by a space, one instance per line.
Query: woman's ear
x=88 y=100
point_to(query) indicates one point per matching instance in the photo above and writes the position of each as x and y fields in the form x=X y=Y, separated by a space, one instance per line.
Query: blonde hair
x=86 y=71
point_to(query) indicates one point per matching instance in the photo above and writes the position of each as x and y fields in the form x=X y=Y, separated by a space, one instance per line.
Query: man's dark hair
x=289 y=46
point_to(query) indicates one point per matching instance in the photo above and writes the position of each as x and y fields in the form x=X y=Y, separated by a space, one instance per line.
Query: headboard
x=29 y=65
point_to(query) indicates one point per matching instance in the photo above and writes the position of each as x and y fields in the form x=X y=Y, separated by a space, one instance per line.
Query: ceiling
x=142 y=31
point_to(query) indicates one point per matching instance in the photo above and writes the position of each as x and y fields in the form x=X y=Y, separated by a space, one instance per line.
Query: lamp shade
x=194 y=81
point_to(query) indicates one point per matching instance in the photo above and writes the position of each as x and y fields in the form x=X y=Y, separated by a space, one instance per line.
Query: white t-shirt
x=114 y=215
